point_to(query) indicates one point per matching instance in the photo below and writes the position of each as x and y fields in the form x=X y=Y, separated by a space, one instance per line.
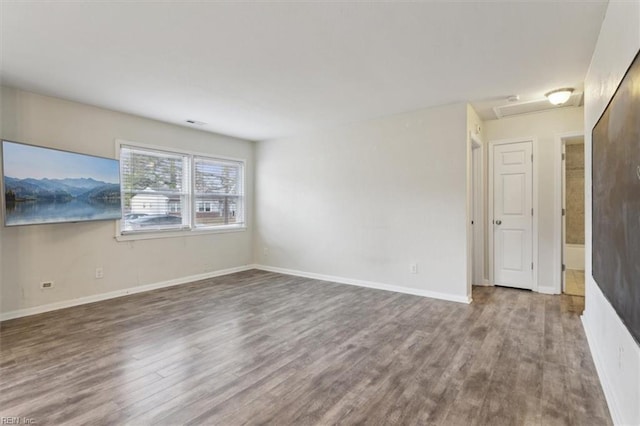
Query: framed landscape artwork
x=44 y=185
x=616 y=200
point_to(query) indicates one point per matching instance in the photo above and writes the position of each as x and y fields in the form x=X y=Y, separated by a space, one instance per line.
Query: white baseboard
x=118 y=293
x=4 y=316
x=547 y=290
x=368 y=284
x=609 y=394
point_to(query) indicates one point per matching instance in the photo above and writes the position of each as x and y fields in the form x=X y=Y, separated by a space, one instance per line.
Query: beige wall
x=366 y=200
x=69 y=253
x=544 y=127
x=574 y=194
x=615 y=352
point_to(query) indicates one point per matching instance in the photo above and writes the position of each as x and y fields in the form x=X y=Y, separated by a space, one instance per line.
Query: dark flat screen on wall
x=44 y=185
x=616 y=200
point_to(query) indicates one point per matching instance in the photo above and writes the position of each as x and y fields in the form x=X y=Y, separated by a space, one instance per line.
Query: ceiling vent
x=530 y=107
x=196 y=123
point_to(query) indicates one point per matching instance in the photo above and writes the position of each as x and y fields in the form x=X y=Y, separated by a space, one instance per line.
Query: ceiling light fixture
x=559 y=96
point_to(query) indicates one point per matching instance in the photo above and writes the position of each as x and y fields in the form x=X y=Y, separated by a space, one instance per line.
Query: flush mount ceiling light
x=559 y=96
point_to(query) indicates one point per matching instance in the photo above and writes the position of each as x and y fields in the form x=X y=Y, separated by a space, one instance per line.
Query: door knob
x=498 y=222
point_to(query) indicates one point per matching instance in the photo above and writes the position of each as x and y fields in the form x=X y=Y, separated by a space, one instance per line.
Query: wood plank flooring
x=574 y=283
x=264 y=348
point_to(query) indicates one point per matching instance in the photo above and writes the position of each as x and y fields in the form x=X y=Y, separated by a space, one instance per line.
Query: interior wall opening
x=573 y=216
x=477 y=209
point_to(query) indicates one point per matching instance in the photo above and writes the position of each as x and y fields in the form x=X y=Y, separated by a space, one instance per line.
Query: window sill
x=150 y=235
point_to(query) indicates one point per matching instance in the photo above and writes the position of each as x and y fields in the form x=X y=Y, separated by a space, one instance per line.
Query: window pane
x=218 y=177
x=219 y=194
x=151 y=170
x=152 y=189
x=150 y=211
x=216 y=210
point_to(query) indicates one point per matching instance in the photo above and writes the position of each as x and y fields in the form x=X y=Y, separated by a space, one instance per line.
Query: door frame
x=534 y=203
x=563 y=217
x=477 y=210
x=558 y=239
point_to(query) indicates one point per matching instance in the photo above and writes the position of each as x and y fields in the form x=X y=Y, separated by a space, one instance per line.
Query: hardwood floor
x=259 y=347
x=574 y=284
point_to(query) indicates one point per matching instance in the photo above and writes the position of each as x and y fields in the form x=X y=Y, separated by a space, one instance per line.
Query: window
x=218 y=192
x=204 y=206
x=172 y=191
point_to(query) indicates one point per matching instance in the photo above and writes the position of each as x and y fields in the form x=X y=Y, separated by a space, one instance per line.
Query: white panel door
x=513 y=215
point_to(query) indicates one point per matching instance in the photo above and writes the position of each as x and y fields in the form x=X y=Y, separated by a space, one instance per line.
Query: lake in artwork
x=43 y=185
x=29 y=212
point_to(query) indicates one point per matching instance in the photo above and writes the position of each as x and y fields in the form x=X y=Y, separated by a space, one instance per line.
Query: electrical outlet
x=413 y=268
x=45 y=285
x=99 y=272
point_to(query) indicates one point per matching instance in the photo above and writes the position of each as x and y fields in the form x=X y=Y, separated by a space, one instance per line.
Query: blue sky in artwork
x=26 y=161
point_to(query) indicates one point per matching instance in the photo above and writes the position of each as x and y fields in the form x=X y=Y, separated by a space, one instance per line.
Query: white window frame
x=192 y=229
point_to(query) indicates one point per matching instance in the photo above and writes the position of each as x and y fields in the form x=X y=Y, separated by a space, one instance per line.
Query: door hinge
x=532 y=211
x=532 y=158
x=563 y=156
x=564 y=267
x=564 y=212
x=532 y=266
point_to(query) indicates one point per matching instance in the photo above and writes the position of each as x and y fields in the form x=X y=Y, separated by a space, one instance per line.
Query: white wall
x=69 y=253
x=366 y=200
x=544 y=127
x=574 y=256
x=616 y=354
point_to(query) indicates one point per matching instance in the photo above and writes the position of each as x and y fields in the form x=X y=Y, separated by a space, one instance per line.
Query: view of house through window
x=218 y=192
x=164 y=190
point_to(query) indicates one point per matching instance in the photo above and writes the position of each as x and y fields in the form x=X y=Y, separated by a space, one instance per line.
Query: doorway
x=513 y=228
x=477 y=212
x=573 y=212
